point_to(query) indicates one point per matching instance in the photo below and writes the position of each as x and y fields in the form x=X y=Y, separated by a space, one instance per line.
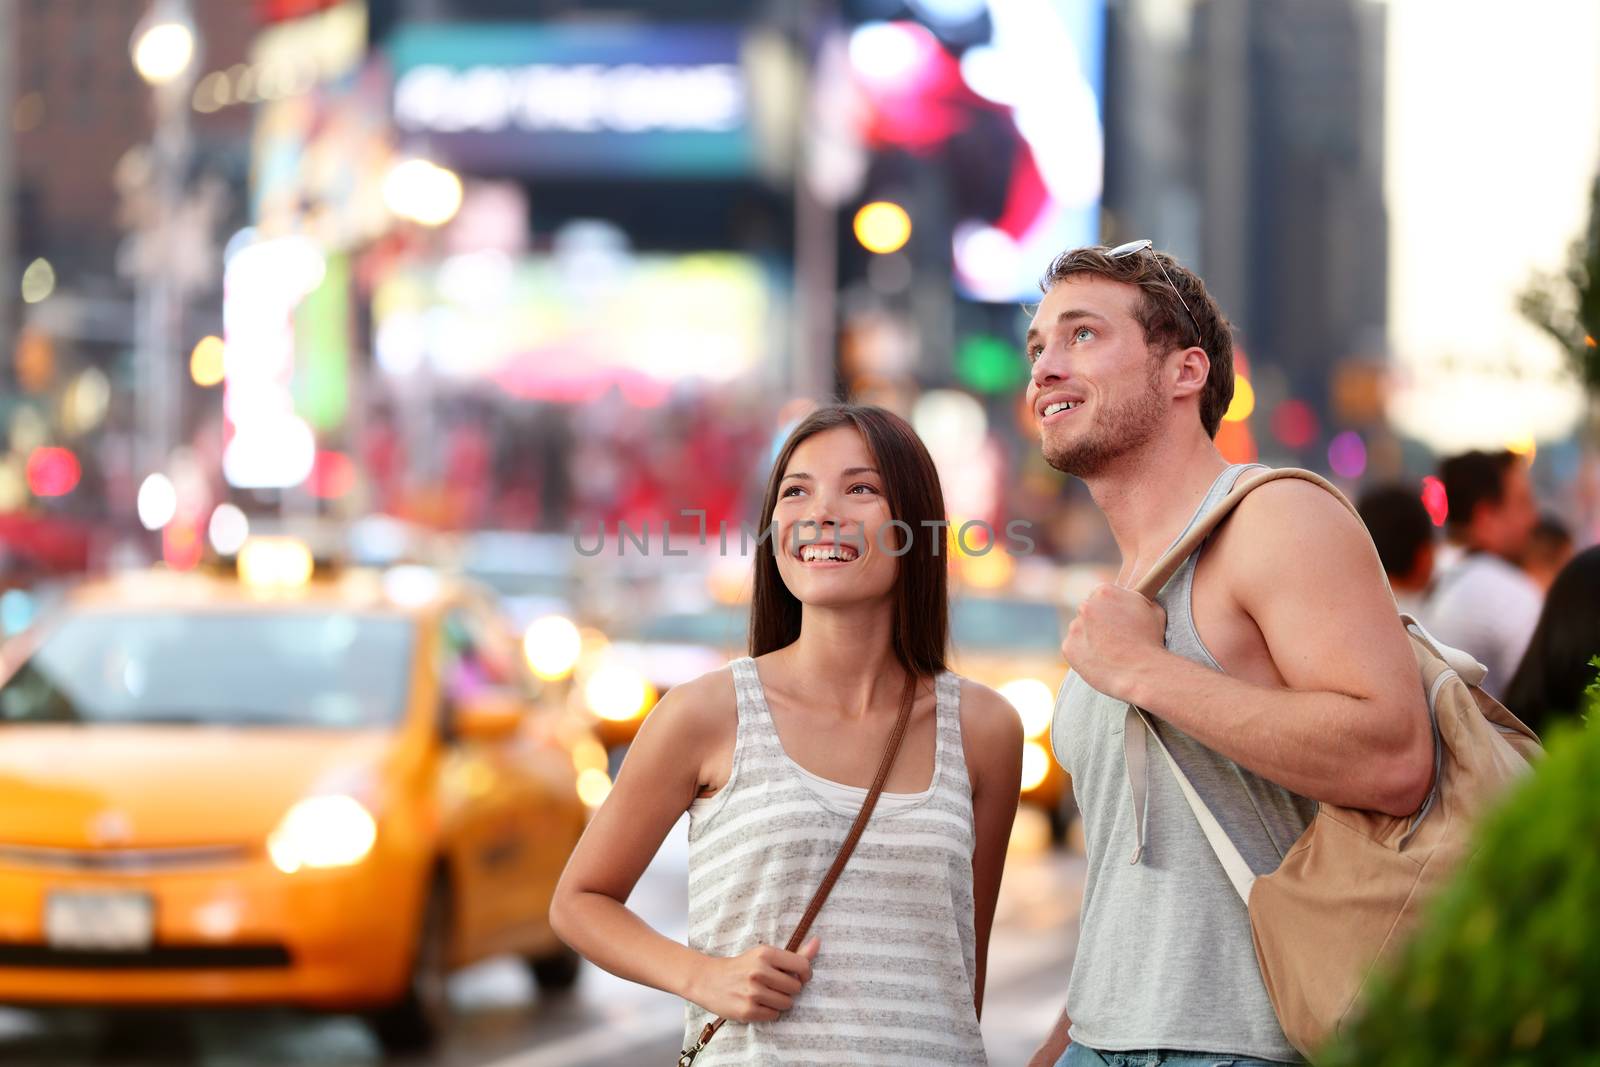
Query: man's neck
x=1149 y=496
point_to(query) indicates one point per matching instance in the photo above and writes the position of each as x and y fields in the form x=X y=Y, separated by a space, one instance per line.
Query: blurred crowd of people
x=1505 y=583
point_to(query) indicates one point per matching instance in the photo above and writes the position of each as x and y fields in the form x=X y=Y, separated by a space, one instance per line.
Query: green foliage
x=1567 y=306
x=1506 y=970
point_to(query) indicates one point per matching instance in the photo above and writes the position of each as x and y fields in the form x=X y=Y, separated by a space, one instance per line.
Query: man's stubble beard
x=1115 y=432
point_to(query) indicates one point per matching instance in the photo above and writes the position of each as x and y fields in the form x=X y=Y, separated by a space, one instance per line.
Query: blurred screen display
x=568 y=328
x=289 y=669
x=1005 y=625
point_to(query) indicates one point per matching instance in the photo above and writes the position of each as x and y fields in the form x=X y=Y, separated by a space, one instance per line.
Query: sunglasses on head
x=1147 y=245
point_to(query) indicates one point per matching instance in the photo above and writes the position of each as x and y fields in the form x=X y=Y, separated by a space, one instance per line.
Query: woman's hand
x=755 y=986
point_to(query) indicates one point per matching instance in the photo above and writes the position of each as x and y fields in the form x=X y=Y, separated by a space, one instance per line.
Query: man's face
x=1508 y=526
x=1088 y=352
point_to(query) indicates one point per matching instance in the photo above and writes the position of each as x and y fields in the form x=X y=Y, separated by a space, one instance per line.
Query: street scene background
x=334 y=330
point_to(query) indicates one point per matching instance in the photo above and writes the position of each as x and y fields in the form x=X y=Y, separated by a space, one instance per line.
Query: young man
x=1483 y=603
x=1402 y=532
x=1274 y=667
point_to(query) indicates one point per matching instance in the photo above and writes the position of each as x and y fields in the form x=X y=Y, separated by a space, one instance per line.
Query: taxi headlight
x=327 y=831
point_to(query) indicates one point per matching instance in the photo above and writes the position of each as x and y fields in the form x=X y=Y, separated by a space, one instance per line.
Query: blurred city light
x=318 y=832
x=52 y=472
x=551 y=646
x=594 y=786
x=1244 y=400
x=882 y=227
x=38 y=281
x=617 y=692
x=163 y=46
x=1523 y=445
x=1035 y=765
x=333 y=474
x=17 y=610
x=1035 y=704
x=157 y=502
x=1294 y=423
x=411 y=584
x=206 y=362
x=1435 y=500
x=1347 y=455
x=422 y=191
x=589 y=755
x=182 y=547
x=268 y=563
x=87 y=399
x=228 y=529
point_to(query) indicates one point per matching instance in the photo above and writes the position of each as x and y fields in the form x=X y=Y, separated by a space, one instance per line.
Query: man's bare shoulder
x=1290 y=536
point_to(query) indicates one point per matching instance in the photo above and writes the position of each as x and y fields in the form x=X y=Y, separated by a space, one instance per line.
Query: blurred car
x=1013 y=645
x=327 y=795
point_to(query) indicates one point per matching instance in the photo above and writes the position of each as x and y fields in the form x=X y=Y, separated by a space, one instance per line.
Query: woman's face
x=831 y=542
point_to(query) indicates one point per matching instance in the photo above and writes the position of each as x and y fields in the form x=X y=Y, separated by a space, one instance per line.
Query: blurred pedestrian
x=1483 y=603
x=1402 y=532
x=1549 y=549
x=1271 y=664
x=1555 y=671
x=771 y=757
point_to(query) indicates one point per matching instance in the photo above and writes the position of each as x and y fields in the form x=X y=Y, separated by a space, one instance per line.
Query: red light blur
x=1434 y=500
x=332 y=476
x=181 y=546
x=1294 y=423
x=53 y=472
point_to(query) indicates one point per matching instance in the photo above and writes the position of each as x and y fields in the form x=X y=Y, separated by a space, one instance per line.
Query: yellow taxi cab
x=279 y=791
x=1013 y=645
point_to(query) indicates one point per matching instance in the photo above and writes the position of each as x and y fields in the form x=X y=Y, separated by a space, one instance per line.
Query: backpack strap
x=1138 y=731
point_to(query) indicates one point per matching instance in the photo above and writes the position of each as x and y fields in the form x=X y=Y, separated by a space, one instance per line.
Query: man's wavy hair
x=1161 y=315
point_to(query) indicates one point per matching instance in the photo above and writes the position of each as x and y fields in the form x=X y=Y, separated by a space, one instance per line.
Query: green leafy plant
x=1506 y=970
x=1567 y=305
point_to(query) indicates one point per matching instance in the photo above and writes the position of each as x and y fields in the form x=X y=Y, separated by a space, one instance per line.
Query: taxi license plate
x=104 y=921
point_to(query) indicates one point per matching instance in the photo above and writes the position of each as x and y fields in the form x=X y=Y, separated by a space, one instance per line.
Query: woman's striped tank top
x=893 y=983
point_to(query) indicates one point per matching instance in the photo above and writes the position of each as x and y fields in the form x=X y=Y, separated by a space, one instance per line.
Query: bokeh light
x=229 y=529
x=423 y=192
x=53 y=472
x=1244 y=400
x=206 y=362
x=162 y=51
x=158 y=501
x=38 y=281
x=1035 y=704
x=882 y=227
x=1294 y=424
x=1434 y=500
x=551 y=646
x=1347 y=455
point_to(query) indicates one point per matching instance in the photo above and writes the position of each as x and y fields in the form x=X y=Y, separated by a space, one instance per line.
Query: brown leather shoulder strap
x=907 y=700
x=1168 y=565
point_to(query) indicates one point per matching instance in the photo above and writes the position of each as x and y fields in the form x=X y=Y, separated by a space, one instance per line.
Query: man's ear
x=1194 y=368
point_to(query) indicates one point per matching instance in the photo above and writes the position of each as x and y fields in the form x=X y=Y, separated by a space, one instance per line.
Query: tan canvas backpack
x=1351 y=889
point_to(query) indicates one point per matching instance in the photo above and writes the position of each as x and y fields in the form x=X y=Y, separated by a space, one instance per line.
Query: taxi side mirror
x=489 y=715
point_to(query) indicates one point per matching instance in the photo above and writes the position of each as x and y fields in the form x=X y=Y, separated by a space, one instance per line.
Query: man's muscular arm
x=1350 y=724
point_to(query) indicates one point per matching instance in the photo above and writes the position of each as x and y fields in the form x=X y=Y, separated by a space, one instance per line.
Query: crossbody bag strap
x=1138 y=731
x=891 y=750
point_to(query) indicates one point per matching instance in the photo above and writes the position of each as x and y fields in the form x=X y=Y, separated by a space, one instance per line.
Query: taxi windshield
x=271 y=669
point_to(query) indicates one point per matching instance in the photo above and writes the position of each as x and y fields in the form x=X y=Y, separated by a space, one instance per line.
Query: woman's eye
x=790 y=491
x=1082 y=333
x=864 y=487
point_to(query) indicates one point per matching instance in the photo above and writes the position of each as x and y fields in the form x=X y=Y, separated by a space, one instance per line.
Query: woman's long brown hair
x=911 y=485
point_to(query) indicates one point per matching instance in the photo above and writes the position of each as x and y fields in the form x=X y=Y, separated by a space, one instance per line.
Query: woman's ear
x=1194 y=368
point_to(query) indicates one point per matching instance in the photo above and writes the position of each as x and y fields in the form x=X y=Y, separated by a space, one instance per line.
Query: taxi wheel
x=555 y=972
x=415 y=1022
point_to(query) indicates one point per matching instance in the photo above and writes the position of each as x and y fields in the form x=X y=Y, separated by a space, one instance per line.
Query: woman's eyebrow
x=860 y=470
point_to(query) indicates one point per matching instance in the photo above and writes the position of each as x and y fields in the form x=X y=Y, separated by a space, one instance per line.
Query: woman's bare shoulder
x=704 y=709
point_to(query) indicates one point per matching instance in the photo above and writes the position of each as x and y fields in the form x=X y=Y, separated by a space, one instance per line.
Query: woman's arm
x=693 y=725
x=992 y=736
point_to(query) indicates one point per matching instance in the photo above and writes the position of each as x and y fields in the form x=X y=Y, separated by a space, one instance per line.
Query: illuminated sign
x=576 y=99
